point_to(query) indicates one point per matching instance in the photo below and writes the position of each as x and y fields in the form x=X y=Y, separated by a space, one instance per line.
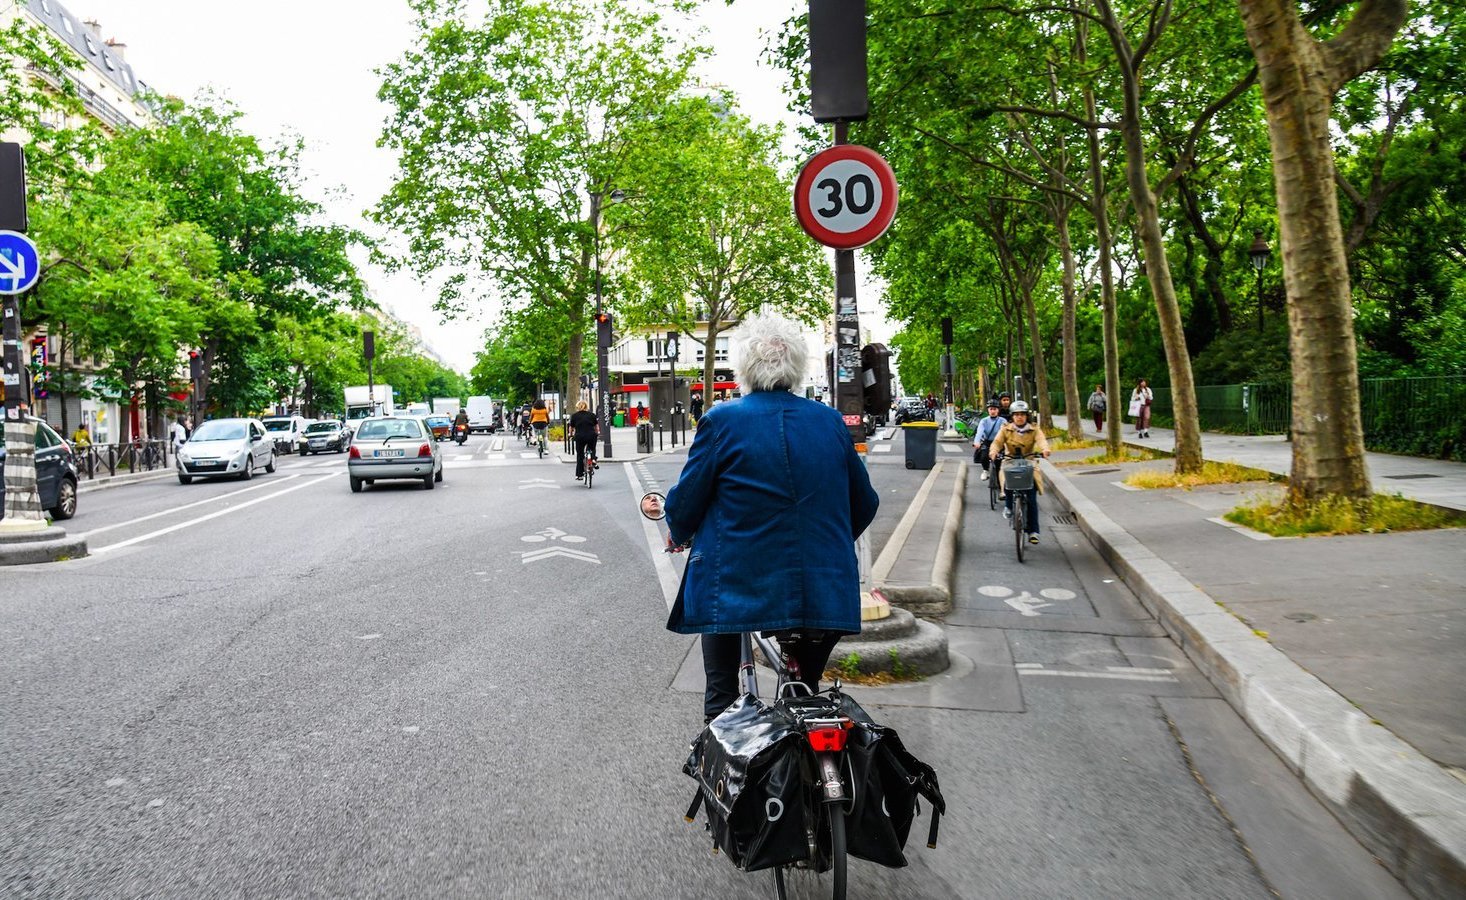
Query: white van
x=481 y=415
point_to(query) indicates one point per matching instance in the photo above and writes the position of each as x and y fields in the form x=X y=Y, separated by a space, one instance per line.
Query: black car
x=56 y=472
x=912 y=409
x=327 y=434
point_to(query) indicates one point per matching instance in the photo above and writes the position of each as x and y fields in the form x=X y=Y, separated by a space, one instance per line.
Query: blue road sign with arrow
x=20 y=263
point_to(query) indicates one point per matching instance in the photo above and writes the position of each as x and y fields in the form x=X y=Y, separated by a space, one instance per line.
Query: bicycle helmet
x=994 y=404
x=1018 y=407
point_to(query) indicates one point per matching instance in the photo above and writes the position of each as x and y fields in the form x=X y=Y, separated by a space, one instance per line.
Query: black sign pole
x=13 y=217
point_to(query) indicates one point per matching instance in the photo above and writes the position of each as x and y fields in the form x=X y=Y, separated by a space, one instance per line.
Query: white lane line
x=213 y=515
x=167 y=512
x=1131 y=675
x=666 y=575
x=881 y=448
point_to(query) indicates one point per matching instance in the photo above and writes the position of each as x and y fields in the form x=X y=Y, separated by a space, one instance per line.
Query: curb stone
x=929 y=597
x=1400 y=805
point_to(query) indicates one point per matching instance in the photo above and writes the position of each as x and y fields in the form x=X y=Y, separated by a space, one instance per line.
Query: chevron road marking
x=530 y=556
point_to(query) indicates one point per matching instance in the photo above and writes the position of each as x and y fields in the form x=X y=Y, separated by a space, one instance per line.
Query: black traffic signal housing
x=195 y=365
x=604 y=323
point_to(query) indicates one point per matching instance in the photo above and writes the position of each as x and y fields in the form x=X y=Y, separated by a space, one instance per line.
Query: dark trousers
x=583 y=447
x=1099 y=419
x=1030 y=512
x=721 y=656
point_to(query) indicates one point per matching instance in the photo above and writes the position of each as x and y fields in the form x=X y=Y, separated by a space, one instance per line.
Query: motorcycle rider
x=460 y=425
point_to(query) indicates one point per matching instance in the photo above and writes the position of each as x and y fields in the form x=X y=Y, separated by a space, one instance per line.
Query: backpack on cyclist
x=886 y=782
x=747 y=766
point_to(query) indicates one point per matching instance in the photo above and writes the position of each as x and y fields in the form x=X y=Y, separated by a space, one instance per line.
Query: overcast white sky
x=305 y=67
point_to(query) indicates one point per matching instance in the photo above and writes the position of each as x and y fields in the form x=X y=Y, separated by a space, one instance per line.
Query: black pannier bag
x=747 y=766
x=886 y=782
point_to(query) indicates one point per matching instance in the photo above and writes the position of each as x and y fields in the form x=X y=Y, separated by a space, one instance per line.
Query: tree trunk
x=1072 y=410
x=574 y=364
x=1101 y=211
x=1163 y=290
x=1299 y=77
x=709 y=364
x=1040 y=370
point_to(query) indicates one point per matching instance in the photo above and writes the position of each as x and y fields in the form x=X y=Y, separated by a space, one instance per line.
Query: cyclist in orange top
x=539 y=418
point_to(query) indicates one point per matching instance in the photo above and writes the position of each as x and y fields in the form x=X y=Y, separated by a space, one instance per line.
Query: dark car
x=442 y=427
x=56 y=472
x=328 y=434
x=912 y=409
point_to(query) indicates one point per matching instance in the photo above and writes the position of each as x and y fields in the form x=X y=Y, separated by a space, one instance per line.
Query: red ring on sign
x=877 y=226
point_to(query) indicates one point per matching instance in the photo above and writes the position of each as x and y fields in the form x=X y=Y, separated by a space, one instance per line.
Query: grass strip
x=1211 y=473
x=1339 y=515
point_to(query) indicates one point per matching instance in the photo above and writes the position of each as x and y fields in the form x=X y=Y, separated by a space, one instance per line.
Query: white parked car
x=288 y=432
x=225 y=447
x=393 y=447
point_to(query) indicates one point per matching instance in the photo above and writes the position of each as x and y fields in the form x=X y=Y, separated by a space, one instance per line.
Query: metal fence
x=99 y=460
x=1415 y=416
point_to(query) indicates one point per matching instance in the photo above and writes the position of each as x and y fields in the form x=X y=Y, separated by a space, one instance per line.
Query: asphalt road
x=283 y=689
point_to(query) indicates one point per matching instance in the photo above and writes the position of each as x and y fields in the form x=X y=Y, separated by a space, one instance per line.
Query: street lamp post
x=1259 y=253
x=603 y=327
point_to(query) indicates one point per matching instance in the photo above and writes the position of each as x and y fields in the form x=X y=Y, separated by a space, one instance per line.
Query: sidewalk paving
x=1379 y=620
x=1438 y=482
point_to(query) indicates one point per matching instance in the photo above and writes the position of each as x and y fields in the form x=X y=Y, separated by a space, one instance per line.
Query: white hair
x=772 y=354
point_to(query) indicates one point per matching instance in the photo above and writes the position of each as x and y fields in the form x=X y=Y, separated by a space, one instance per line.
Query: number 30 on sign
x=845 y=197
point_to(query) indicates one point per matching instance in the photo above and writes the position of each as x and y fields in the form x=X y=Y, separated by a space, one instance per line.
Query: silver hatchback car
x=225 y=448
x=393 y=447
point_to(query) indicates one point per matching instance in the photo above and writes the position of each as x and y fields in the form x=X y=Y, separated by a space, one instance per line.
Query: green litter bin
x=921 y=444
x=619 y=420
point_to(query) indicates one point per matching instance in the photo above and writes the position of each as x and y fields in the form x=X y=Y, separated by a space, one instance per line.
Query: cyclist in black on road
x=584 y=426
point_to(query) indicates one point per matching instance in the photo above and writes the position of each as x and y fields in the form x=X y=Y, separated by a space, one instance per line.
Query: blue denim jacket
x=773 y=496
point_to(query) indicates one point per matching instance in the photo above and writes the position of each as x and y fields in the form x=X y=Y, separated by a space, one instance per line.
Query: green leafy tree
x=512 y=128
x=707 y=232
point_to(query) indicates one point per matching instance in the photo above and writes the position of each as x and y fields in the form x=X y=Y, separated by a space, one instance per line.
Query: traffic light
x=604 y=321
x=672 y=346
x=195 y=365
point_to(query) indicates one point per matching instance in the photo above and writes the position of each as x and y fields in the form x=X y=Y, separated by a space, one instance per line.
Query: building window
x=46 y=7
x=720 y=352
x=107 y=61
x=91 y=44
x=656 y=350
x=66 y=23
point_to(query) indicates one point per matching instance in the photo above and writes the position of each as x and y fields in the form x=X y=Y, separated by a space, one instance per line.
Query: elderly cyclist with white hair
x=772 y=498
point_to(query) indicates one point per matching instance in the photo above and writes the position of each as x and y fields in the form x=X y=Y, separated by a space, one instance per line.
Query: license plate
x=381 y=453
x=209 y=464
x=318 y=443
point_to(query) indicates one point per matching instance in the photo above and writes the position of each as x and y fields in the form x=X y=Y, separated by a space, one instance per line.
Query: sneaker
x=580 y=478
x=1033 y=539
x=984 y=476
x=1007 y=513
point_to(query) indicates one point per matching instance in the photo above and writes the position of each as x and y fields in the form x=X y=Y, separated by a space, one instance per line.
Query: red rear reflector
x=425 y=450
x=354 y=453
x=827 y=740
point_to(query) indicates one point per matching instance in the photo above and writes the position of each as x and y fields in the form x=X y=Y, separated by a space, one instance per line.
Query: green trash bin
x=619 y=420
x=921 y=444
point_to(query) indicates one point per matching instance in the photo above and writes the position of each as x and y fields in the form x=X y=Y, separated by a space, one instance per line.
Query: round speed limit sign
x=845 y=197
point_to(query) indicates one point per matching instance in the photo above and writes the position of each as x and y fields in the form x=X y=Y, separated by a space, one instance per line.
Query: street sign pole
x=848 y=388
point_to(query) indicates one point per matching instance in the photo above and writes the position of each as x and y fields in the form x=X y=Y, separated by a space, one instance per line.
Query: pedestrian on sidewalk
x=177 y=434
x=1097 y=406
x=584 y=426
x=696 y=408
x=984 y=435
x=1140 y=399
x=772 y=515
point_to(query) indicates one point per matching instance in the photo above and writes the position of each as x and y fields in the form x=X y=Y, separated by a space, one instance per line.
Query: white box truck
x=359 y=407
x=481 y=415
x=446 y=406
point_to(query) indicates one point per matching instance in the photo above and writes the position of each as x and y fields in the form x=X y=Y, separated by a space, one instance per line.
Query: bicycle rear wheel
x=811 y=884
x=993 y=490
x=590 y=470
